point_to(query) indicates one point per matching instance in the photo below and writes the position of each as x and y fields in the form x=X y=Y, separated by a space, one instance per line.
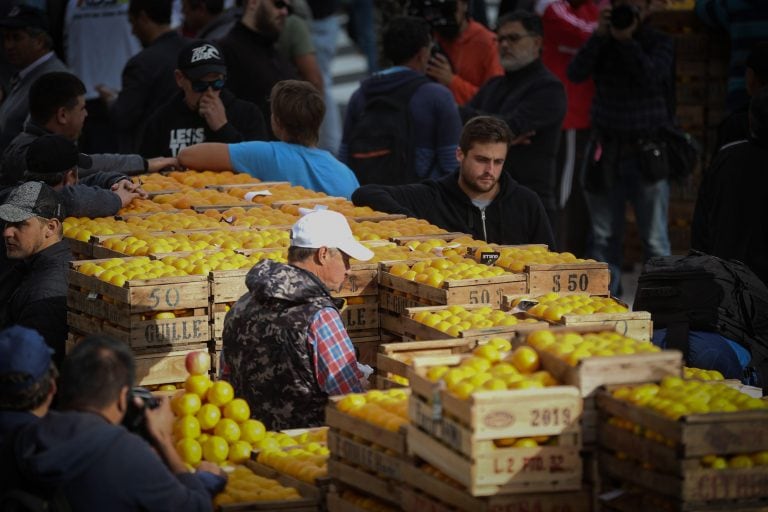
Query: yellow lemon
x=208 y=416
x=186 y=427
x=239 y=452
x=237 y=410
x=525 y=359
x=190 y=451
x=198 y=384
x=220 y=393
x=215 y=450
x=227 y=429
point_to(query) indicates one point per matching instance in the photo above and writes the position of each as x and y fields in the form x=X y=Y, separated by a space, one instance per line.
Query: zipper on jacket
x=482 y=218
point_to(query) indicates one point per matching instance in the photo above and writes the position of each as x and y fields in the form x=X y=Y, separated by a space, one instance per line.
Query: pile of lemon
x=239 y=216
x=572 y=347
x=394 y=252
x=675 y=397
x=436 y=271
x=701 y=374
x=387 y=409
x=384 y=230
x=553 y=306
x=493 y=367
x=304 y=456
x=453 y=320
x=212 y=424
x=244 y=486
x=118 y=270
x=516 y=258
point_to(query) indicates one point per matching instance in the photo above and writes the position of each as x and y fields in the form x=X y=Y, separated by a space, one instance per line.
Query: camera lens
x=622 y=16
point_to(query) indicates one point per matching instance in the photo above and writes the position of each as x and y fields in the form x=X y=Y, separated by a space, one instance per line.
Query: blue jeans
x=324 y=34
x=650 y=202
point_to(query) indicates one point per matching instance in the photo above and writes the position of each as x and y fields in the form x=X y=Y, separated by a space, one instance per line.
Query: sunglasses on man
x=203 y=85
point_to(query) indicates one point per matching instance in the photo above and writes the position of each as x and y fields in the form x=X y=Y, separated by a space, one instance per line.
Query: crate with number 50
x=149 y=313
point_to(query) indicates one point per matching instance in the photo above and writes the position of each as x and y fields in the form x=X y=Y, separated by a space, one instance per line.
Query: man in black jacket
x=531 y=100
x=478 y=199
x=203 y=111
x=33 y=285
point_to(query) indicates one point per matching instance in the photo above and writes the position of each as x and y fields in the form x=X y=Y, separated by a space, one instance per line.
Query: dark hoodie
x=98 y=465
x=435 y=121
x=515 y=216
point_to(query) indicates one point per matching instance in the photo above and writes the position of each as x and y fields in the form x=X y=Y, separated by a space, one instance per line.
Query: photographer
x=83 y=453
x=633 y=67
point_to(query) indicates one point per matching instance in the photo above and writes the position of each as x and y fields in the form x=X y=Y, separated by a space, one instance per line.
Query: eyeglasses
x=203 y=85
x=511 y=38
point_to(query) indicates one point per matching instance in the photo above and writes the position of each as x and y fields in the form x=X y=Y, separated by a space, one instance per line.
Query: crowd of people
x=538 y=131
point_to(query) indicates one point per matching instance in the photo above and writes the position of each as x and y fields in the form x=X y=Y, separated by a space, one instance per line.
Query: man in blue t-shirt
x=297 y=111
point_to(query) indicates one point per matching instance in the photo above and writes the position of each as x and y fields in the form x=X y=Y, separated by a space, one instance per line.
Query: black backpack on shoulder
x=699 y=292
x=380 y=149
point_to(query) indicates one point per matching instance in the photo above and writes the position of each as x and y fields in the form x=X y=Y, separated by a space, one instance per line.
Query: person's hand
x=129 y=186
x=127 y=193
x=212 y=110
x=162 y=163
x=160 y=422
x=523 y=139
x=106 y=94
x=210 y=467
x=604 y=22
x=625 y=34
x=439 y=69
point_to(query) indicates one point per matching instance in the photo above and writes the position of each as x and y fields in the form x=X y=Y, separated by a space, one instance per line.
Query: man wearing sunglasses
x=202 y=111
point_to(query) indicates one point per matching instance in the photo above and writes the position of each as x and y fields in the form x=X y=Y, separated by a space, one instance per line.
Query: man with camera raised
x=633 y=68
x=82 y=455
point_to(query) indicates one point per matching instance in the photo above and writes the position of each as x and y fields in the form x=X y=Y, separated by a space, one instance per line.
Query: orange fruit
x=525 y=359
x=215 y=450
x=540 y=339
x=237 y=410
x=252 y=431
x=190 y=451
x=198 y=384
x=208 y=416
x=220 y=393
x=228 y=430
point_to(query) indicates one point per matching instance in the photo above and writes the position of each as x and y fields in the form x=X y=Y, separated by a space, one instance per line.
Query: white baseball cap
x=326 y=228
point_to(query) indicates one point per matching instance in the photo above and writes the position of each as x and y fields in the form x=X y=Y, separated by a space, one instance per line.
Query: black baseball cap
x=199 y=58
x=25 y=16
x=50 y=154
x=32 y=199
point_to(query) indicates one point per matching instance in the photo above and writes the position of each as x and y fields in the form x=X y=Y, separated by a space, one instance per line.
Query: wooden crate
x=395 y=441
x=425 y=492
x=372 y=458
x=637 y=500
x=122 y=311
x=696 y=485
x=314 y=490
x=163 y=367
x=414 y=330
x=592 y=372
x=633 y=324
x=397 y=358
x=403 y=240
x=592 y=278
x=503 y=470
x=697 y=435
x=362 y=279
x=487 y=291
x=336 y=503
x=361 y=317
x=366 y=347
x=359 y=479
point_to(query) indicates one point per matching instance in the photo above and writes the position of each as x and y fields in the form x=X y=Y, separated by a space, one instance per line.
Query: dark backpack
x=380 y=149
x=19 y=500
x=700 y=292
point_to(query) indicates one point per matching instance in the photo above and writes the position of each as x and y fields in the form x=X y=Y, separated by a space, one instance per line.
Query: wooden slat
x=395 y=441
x=387 y=490
x=591 y=278
x=366 y=456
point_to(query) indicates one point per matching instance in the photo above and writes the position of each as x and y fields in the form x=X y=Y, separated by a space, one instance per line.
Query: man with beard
x=254 y=65
x=465 y=53
x=478 y=199
x=531 y=100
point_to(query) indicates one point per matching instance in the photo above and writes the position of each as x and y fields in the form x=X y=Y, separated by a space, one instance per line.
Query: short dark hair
x=298 y=254
x=530 y=22
x=404 y=37
x=484 y=129
x=299 y=108
x=28 y=398
x=158 y=11
x=95 y=372
x=51 y=92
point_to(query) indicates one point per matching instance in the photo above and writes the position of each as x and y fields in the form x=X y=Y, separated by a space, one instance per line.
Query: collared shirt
x=24 y=72
x=334 y=355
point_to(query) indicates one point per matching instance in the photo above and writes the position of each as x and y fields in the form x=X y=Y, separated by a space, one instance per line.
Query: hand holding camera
x=624 y=21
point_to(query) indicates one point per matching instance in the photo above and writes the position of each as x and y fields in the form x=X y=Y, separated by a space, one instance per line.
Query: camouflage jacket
x=265 y=345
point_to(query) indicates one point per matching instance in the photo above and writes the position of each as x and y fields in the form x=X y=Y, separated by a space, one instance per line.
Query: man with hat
x=285 y=346
x=27 y=379
x=29 y=48
x=33 y=286
x=55 y=161
x=203 y=111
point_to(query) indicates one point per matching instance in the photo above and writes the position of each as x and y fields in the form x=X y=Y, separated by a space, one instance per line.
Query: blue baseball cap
x=23 y=350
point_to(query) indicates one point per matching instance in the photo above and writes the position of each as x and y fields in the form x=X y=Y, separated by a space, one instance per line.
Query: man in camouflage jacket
x=285 y=346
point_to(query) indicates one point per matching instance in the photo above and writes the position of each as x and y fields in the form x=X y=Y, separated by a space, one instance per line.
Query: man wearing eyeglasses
x=202 y=111
x=531 y=100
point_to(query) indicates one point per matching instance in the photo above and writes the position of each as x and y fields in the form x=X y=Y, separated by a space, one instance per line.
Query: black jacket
x=147 y=83
x=731 y=216
x=515 y=216
x=175 y=126
x=253 y=66
x=529 y=99
x=33 y=293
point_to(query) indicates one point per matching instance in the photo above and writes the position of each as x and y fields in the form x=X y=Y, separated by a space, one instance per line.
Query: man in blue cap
x=27 y=379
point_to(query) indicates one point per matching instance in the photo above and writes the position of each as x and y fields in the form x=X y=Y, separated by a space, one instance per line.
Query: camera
x=622 y=16
x=134 y=419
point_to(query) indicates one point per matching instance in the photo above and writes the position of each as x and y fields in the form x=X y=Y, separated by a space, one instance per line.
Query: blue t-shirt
x=312 y=168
